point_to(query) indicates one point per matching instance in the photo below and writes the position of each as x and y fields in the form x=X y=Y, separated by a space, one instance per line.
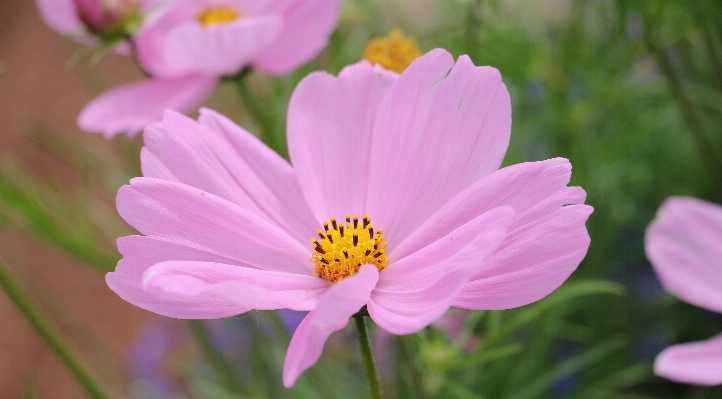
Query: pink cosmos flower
x=684 y=244
x=188 y=46
x=91 y=21
x=409 y=165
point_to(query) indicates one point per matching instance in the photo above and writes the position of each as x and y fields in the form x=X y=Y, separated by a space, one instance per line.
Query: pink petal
x=520 y=186
x=140 y=253
x=152 y=166
x=149 y=39
x=307 y=26
x=684 y=244
x=131 y=107
x=61 y=15
x=261 y=7
x=192 y=217
x=269 y=179
x=245 y=287
x=220 y=158
x=329 y=125
x=534 y=259
x=438 y=130
x=416 y=290
x=545 y=243
x=334 y=309
x=697 y=363
x=185 y=149
x=219 y=49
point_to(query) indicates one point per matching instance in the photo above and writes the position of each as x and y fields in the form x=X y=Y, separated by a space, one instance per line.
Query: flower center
x=345 y=247
x=394 y=52
x=218 y=14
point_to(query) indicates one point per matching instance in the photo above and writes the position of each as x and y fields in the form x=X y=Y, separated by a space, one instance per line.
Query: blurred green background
x=629 y=91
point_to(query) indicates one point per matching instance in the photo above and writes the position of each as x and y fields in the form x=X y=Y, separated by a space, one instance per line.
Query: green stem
x=372 y=373
x=407 y=353
x=275 y=317
x=265 y=120
x=51 y=337
x=705 y=145
x=230 y=379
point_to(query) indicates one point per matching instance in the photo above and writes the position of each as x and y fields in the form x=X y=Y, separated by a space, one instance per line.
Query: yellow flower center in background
x=218 y=14
x=394 y=52
x=345 y=247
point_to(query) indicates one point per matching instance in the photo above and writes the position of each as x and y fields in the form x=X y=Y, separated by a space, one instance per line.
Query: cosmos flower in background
x=684 y=244
x=394 y=52
x=188 y=46
x=148 y=356
x=95 y=22
x=394 y=202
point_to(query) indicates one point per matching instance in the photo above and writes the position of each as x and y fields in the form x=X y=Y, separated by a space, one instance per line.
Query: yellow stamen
x=218 y=14
x=344 y=247
x=394 y=52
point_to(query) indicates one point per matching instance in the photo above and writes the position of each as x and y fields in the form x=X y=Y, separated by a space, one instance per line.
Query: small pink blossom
x=228 y=225
x=93 y=22
x=188 y=46
x=684 y=244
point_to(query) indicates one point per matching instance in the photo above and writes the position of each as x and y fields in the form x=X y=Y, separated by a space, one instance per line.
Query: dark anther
x=355 y=222
x=345 y=254
x=377 y=254
x=330 y=238
x=324 y=261
x=325 y=226
x=371 y=232
x=368 y=251
x=366 y=221
x=321 y=235
x=340 y=230
x=333 y=222
x=320 y=250
x=348 y=218
x=355 y=240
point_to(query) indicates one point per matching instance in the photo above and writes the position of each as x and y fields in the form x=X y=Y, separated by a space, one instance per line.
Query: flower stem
x=372 y=373
x=51 y=337
x=262 y=115
x=408 y=357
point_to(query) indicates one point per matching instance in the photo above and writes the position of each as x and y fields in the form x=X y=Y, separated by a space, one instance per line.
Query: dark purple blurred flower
x=647 y=286
x=151 y=345
x=291 y=319
x=566 y=384
x=147 y=359
x=230 y=337
x=648 y=347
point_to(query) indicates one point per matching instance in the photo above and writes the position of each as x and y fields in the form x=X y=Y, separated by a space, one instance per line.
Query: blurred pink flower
x=93 y=21
x=684 y=244
x=188 y=46
x=229 y=226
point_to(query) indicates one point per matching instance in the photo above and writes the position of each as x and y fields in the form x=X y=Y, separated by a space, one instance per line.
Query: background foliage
x=630 y=92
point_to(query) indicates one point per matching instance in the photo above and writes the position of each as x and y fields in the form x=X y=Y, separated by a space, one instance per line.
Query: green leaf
x=570 y=366
x=564 y=294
